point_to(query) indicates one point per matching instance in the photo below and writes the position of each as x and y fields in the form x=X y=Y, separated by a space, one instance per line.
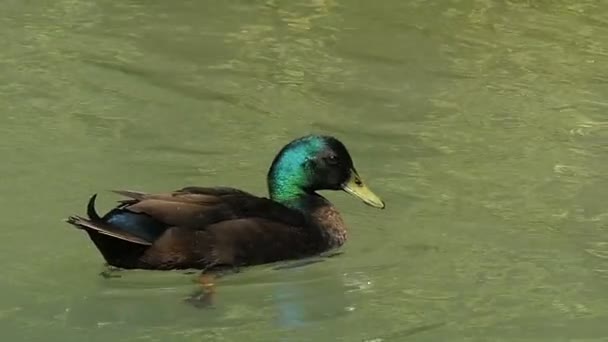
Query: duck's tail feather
x=97 y=224
x=119 y=247
x=105 y=229
x=91 y=209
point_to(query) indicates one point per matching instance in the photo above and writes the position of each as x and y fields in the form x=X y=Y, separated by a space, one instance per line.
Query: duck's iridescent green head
x=313 y=163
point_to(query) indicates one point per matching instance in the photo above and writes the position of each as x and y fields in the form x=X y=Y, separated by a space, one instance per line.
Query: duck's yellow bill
x=355 y=186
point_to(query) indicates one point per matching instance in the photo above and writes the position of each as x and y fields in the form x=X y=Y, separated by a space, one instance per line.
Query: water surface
x=481 y=123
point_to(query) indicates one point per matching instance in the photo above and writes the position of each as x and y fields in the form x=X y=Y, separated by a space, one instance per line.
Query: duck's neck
x=288 y=180
x=289 y=192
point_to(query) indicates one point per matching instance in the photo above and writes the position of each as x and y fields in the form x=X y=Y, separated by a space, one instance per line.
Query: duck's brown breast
x=332 y=226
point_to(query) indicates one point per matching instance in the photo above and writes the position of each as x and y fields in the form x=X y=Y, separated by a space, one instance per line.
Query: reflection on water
x=482 y=124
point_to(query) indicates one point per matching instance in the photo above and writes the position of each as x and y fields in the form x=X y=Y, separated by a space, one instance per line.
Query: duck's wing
x=197 y=207
x=142 y=218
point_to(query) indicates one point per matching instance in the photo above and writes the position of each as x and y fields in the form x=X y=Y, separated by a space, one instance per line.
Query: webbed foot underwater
x=208 y=227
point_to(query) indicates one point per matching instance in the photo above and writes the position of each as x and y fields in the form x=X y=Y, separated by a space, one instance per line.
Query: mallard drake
x=208 y=227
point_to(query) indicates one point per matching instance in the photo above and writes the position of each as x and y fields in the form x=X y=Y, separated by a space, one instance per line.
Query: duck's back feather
x=197 y=207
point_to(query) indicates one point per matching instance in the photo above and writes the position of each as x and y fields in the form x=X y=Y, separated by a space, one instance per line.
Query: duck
x=205 y=228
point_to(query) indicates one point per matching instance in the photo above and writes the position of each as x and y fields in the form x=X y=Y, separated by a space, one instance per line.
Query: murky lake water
x=483 y=124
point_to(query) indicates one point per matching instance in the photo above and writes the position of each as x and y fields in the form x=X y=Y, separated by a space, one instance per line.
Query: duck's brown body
x=204 y=228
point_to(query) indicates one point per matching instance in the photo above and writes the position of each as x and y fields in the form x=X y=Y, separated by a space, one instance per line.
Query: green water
x=482 y=124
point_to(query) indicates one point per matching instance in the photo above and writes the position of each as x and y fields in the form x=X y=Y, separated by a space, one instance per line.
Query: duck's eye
x=332 y=159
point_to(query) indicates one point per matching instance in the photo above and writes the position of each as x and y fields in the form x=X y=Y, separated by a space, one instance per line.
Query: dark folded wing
x=198 y=207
